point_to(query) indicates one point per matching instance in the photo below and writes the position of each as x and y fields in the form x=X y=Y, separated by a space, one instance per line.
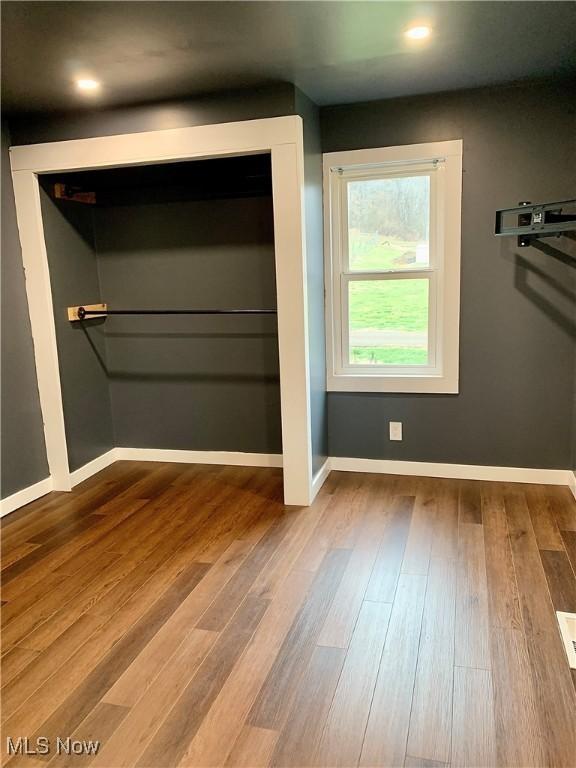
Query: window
x=393 y=268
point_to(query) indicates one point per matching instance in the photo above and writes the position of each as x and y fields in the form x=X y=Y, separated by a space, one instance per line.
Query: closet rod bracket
x=94 y=310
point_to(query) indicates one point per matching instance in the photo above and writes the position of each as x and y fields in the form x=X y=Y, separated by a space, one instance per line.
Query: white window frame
x=442 y=162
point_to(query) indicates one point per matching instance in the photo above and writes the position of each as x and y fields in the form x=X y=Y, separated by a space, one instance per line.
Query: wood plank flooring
x=182 y=616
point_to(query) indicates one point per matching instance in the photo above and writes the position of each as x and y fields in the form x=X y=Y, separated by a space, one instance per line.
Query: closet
x=174 y=236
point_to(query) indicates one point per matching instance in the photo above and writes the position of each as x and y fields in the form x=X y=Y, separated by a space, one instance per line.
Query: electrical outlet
x=395 y=430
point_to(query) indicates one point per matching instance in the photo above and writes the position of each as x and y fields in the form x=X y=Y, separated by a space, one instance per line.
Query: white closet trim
x=280 y=136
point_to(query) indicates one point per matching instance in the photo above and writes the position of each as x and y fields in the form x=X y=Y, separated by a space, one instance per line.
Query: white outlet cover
x=395 y=430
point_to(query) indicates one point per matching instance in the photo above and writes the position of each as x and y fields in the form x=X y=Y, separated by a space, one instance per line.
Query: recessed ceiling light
x=87 y=84
x=418 y=33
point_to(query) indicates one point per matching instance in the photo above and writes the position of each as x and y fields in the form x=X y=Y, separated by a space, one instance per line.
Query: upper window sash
x=340 y=181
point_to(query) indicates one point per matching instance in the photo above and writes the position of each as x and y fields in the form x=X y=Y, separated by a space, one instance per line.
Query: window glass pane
x=389 y=223
x=388 y=322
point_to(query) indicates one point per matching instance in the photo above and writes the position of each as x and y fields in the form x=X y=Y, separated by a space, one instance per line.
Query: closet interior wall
x=184 y=235
x=82 y=354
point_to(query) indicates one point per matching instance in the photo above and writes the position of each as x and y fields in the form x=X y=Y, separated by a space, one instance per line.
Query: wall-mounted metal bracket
x=536 y=221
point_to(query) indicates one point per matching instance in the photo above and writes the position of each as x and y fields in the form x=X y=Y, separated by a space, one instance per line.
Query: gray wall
x=188 y=382
x=517 y=318
x=68 y=231
x=22 y=446
x=315 y=277
x=224 y=107
x=573 y=462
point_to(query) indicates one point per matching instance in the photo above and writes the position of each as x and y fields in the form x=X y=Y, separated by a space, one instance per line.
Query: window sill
x=433 y=385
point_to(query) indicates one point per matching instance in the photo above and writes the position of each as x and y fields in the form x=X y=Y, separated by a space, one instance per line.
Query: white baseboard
x=25 y=496
x=572 y=482
x=339 y=463
x=233 y=458
x=94 y=466
x=455 y=471
x=320 y=478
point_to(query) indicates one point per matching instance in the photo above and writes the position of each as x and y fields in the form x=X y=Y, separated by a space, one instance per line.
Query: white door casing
x=282 y=138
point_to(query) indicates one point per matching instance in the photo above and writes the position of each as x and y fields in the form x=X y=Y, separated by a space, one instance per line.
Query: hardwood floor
x=182 y=616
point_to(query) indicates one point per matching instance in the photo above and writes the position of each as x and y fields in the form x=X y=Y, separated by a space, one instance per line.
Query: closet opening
x=197 y=234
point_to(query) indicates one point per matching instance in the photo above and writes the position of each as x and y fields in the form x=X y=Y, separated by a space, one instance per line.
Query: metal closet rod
x=82 y=312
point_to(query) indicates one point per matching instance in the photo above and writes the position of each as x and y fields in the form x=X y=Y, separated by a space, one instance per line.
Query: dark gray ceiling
x=336 y=52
